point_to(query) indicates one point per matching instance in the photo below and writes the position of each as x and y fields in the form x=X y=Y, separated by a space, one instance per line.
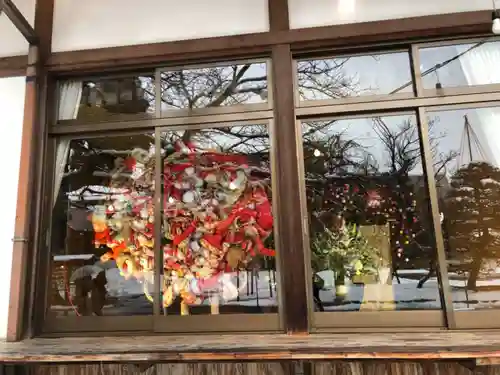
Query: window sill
x=483 y=347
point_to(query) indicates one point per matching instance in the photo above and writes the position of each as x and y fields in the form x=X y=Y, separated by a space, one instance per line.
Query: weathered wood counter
x=481 y=347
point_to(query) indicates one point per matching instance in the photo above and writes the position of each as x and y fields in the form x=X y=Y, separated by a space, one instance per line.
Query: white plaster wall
x=12 y=43
x=11 y=121
x=311 y=13
x=83 y=24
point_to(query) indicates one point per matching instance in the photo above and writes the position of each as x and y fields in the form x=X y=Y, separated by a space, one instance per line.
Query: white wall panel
x=11 y=121
x=12 y=43
x=84 y=24
x=310 y=13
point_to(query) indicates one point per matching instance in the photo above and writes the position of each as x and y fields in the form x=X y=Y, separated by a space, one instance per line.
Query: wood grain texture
x=22 y=226
x=211 y=348
x=13 y=66
x=278 y=15
x=287 y=183
x=23 y=280
x=164 y=369
x=320 y=368
x=397 y=368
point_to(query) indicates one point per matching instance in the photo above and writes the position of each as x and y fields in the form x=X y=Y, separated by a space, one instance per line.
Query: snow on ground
x=128 y=297
x=406 y=295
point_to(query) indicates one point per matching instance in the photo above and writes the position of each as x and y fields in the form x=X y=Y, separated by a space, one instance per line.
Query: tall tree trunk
x=474 y=272
x=478 y=258
x=426 y=277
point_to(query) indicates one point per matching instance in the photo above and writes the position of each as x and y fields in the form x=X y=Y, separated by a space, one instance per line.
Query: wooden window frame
x=157 y=323
x=420 y=104
x=314 y=321
x=279 y=43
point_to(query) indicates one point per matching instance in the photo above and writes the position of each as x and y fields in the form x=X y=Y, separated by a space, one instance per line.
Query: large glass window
x=171 y=223
x=217 y=233
x=210 y=87
x=372 y=228
x=217 y=221
x=371 y=242
x=151 y=226
x=102 y=227
x=355 y=76
x=466 y=165
x=460 y=65
x=94 y=100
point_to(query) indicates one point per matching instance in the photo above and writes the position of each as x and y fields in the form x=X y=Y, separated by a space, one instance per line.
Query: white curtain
x=69 y=102
x=481 y=67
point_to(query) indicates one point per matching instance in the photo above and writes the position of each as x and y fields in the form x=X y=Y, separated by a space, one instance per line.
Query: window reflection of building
x=116 y=99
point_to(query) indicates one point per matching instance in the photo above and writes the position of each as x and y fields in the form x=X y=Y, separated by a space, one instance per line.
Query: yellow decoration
x=358 y=266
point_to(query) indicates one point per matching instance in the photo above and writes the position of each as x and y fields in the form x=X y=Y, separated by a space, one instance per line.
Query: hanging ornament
x=373 y=199
x=209 y=231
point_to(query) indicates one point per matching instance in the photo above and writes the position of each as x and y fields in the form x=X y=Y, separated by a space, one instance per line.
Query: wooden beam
x=291 y=257
x=13 y=66
x=487 y=361
x=44 y=18
x=35 y=290
x=22 y=240
x=19 y=21
x=482 y=347
x=289 y=221
x=28 y=197
x=444 y=25
x=278 y=15
x=404 y=29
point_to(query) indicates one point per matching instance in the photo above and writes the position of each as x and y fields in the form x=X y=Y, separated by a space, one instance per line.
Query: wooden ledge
x=483 y=347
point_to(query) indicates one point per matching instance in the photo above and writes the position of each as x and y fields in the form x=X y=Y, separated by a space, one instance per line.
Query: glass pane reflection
x=102 y=239
x=352 y=76
x=217 y=86
x=217 y=231
x=107 y=99
x=370 y=237
x=469 y=197
x=460 y=65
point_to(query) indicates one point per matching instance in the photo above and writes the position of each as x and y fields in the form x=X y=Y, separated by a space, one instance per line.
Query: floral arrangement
x=216 y=216
x=344 y=251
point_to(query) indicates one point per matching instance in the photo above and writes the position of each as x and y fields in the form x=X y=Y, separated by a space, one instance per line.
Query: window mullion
x=442 y=271
x=287 y=197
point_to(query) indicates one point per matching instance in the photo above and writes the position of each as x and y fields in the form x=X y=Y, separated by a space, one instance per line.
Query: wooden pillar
x=289 y=221
x=32 y=144
x=278 y=15
x=21 y=238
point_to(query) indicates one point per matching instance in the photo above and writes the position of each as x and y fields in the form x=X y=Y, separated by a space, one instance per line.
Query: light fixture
x=495 y=27
x=496 y=24
x=346 y=8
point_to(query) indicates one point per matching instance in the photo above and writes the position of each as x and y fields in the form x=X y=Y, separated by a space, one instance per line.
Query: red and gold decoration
x=216 y=217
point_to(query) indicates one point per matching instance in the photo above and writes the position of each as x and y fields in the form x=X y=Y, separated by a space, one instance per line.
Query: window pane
x=214 y=86
x=466 y=165
x=217 y=221
x=102 y=239
x=372 y=247
x=460 y=65
x=96 y=100
x=352 y=76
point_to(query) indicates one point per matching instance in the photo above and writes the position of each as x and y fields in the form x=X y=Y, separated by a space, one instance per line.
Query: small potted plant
x=348 y=254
